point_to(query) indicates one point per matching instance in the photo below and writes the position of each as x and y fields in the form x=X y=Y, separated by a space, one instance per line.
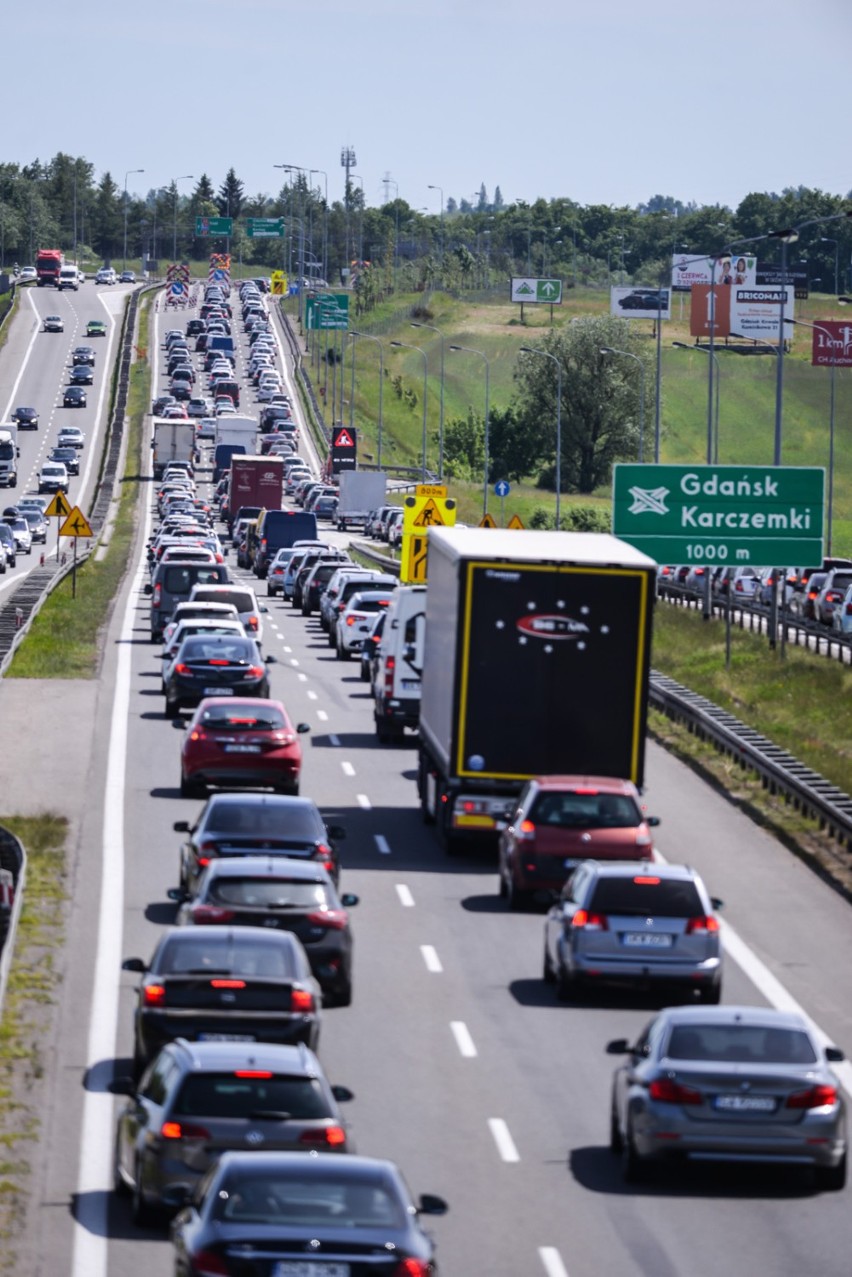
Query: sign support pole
x=74 y=572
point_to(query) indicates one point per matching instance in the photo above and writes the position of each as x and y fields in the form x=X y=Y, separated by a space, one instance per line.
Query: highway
x=465 y=1068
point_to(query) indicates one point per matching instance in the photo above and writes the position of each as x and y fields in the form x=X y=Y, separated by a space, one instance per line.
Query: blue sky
x=605 y=103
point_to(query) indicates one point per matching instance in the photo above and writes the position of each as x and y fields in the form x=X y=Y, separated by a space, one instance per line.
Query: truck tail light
x=390 y=665
x=157 y=595
x=666 y=1091
x=583 y=920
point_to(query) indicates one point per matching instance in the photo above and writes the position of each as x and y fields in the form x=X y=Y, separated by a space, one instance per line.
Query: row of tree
x=471 y=244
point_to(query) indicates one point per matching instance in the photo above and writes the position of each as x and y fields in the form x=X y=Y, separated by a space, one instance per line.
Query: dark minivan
x=172 y=583
x=278 y=529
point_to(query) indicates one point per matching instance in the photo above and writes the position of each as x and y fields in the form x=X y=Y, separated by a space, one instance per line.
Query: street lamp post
x=404 y=345
x=187 y=177
x=126 y=176
x=433 y=329
x=818 y=328
x=713 y=435
x=824 y=239
x=441 y=189
x=545 y=354
x=628 y=354
x=360 y=179
x=369 y=337
x=470 y=351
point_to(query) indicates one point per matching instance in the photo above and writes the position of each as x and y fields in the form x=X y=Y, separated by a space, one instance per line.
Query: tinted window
x=647 y=898
x=241 y=719
x=279 y=892
x=177 y=580
x=267 y=1197
x=224 y=1095
x=740 y=1044
x=202 y=649
x=241 y=599
x=264 y=818
x=585 y=811
x=205 y=955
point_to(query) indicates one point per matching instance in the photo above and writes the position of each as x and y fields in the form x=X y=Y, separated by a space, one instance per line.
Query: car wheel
x=143 y=1213
x=831 y=1179
x=616 y=1140
x=119 y=1186
x=343 y=653
x=342 y=997
x=547 y=973
x=191 y=788
x=566 y=988
x=171 y=709
x=332 y=640
x=632 y=1166
x=516 y=900
x=711 y=993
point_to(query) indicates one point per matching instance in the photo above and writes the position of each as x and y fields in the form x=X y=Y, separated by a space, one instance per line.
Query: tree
x=498 y=199
x=482 y=203
x=106 y=218
x=513 y=452
x=203 y=193
x=231 y=195
x=600 y=400
x=464 y=446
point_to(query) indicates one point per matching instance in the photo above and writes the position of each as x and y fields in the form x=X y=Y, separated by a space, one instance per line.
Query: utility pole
x=347 y=161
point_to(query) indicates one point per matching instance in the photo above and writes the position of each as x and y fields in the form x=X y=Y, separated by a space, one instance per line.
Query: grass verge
x=30 y=995
x=63 y=640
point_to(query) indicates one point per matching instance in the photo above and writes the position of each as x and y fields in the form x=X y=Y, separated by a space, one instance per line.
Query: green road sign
x=536 y=291
x=327 y=310
x=265 y=227
x=548 y=290
x=214 y=225
x=766 y=516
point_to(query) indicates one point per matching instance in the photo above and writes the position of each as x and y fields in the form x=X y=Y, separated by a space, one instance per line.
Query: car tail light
x=206 y=1263
x=154 y=995
x=702 y=926
x=412 y=1268
x=207 y=914
x=262 y=1073
x=218 y=660
x=180 y=668
x=336 y=919
x=584 y=789
x=590 y=921
x=329 y=1136
x=526 y=831
x=665 y=1091
x=157 y=595
x=255 y=671
x=252 y=623
x=815 y=1097
x=183 y=1131
x=198 y=734
x=301 y=1000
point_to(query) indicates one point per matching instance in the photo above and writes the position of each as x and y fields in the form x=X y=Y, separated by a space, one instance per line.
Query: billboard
x=731 y=268
x=795 y=275
x=640 y=303
x=834 y=346
x=751 y=311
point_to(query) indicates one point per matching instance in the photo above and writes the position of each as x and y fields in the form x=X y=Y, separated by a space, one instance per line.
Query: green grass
x=64 y=639
x=25 y=1023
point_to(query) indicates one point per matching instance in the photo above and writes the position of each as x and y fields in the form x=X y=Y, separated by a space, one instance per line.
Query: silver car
x=198 y=1099
x=735 y=1083
x=647 y=925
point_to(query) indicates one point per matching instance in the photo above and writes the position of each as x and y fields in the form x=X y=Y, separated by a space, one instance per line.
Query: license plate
x=242 y=749
x=745 y=1103
x=309 y=1268
x=218 y=691
x=649 y=940
x=225 y=1037
x=411 y=684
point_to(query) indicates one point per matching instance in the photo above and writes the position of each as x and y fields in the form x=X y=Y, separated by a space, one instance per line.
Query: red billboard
x=832 y=344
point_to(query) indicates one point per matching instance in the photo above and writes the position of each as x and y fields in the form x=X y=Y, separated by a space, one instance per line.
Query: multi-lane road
x=465 y=1068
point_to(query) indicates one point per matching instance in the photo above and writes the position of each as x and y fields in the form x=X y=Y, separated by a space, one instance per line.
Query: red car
x=561 y=820
x=235 y=741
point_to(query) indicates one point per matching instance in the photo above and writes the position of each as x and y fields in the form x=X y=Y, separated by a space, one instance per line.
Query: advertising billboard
x=834 y=346
x=536 y=291
x=731 y=268
x=751 y=311
x=640 y=303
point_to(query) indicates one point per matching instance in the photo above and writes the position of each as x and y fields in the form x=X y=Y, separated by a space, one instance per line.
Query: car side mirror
x=302 y=728
x=717 y=903
x=149 y=589
x=652 y=821
x=179 y=724
x=342 y=1094
x=336 y=831
x=177 y=894
x=834 y=1054
x=181 y=826
x=618 y=1046
x=134 y=964
x=349 y=900
x=264 y=608
x=430 y=1204
x=122 y=1086
x=270 y=660
x=176 y=1196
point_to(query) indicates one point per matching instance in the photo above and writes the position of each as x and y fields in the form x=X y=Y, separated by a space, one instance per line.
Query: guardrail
x=13 y=860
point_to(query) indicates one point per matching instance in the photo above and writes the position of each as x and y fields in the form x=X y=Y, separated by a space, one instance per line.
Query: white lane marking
x=430 y=957
x=347 y=769
x=503 y=1140
x=382 y=844
x=322 y=716
x=288 y=649
x=405 y=896
x=293 y=661
x=26 y=357
x=363 y=802
x=335 y=740
x=552 y=1261
x=273 y=626
x=312 y=696
x=464 y=1041
x=303 y=678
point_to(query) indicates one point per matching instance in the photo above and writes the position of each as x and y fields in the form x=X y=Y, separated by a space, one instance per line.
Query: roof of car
x=278 y=867
x=224 y=1056
x=636 y=869
x=605 y=784
x=754 y=1015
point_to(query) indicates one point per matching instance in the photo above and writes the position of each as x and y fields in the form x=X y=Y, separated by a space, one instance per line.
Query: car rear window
x=243 y=600
x=841 y=581
x=646 y=895
x=572 y=810
x=222 y=1095
x=239 y=718
x=296 y=821
x=270 y=1196
x=236 y=954
x=180 y=580
x=217 y=649
x=269 y=893
x=740 y=1044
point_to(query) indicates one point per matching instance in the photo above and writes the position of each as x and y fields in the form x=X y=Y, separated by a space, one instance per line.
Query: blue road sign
x=501 y=487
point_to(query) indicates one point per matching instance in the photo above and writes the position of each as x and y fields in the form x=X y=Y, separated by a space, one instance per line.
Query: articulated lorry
x=535 y=661
x=49 y=263
x=256 y=482
x=173 y=440
x=9 y=453
x=361 y=492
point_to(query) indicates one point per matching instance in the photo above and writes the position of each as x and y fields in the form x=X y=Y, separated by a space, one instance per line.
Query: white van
x=399 y=664
x=69 y=277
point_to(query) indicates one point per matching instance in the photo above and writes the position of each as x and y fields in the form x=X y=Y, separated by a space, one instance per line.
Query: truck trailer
x=255 y=481
x=173 y=440
x=535 y=661
x=361 y=492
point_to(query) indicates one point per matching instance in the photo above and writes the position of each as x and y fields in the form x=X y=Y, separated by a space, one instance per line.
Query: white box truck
x=361 y=492
x=173 y=440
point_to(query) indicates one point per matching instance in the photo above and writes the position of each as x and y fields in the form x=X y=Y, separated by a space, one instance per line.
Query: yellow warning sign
x=515 y=522
x=412 y=570
x=431 y=490
x=428 y=512
x=59 y=506
x=278 y=282
x=487 y=521
x=76 y=525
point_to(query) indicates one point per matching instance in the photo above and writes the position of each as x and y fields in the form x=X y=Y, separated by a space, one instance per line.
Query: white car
x=53 y=476
x=206 y=428
x=71 y=437
x=106 y=275
x=27 y=272
x=53 y=324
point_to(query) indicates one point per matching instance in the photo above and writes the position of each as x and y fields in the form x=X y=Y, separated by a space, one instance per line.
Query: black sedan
x=69 y=458
x=253 y=824
x=82 y=375
x=263 y=891
x=349 y=1215
x=27 y=418
x=83 y=355
x=215 y=665
x=74 y=397
x=224 y=984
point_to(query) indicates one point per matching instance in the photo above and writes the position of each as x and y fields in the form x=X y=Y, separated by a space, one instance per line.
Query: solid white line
x=26 y=357
x=335 y=740
x=323 y=717
x=503 y=1140
x=464 y=1041
x=405 y=896
x=430 y=957
x=552 y=1261
x=363 y=802
x=347 y=769
x=382 y=844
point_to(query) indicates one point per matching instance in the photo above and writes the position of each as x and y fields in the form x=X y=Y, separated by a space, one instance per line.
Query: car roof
x=224 y=1056
x=224 y=933
x=737 y=1014
x=279 y=802
x=640 y=869
x=604 y=784
x=266 y=867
